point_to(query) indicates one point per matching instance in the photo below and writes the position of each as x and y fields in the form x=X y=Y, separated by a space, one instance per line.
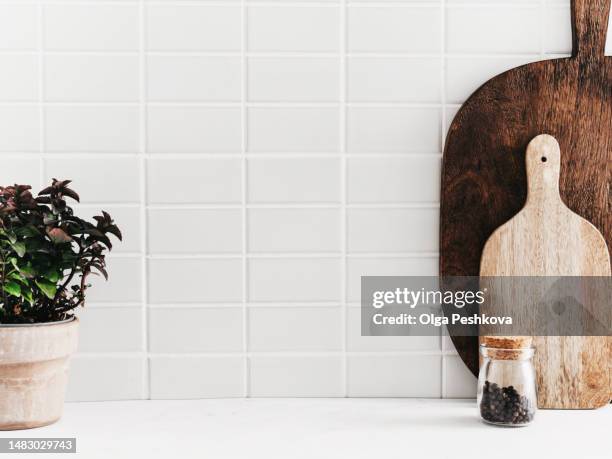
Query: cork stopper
x=506 y=347
x=507 y=342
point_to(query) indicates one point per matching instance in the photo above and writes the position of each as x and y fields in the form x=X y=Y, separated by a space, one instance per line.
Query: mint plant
x=47 y=253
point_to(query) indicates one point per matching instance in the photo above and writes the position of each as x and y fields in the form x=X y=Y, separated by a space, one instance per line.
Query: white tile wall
x=260 y=157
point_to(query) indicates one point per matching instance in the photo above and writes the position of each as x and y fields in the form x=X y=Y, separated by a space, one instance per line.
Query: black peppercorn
x=505 y=405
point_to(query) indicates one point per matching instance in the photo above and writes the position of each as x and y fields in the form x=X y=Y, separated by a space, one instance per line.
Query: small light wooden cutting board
x=547 y=239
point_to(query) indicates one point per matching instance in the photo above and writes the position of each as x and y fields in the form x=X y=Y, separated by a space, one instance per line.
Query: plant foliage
x=47 y=253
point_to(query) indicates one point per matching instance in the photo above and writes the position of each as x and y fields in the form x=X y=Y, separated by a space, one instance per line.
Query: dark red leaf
x=71 y=193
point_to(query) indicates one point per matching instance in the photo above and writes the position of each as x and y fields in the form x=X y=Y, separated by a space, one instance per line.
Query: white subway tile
x=20 y=129
x=414 y=179
x=558 y=26
x=296 y=376
x=447 y=342
x=285 y=1
x=93 y=378
x=91 y=27
x=19 y=77
x=459 y=381
x=197 y=231
x=124 y=283
x=394 y=29
x=358 y=343
x=193 y=78
x=176 y=329
x=96 y=322
x=289 y=28
x=22 y=171
x=193 y=27
x=90 y=177
x=193 y=180
x=376 y=79
x=466 y=74
x=493 y=29
x=293 y=180
x=393 y=230
x=294 y=230
x=193 y=129
x=357 y=267
x=295 y=329
x=195 y=280
x=19 y=27
x=451 y=113
x=293 y=129
x=287 y=79
x=395 y=130
x=127 y=219
x=91 y=129
x=394 y=376
x=196 y=377
x=82 y=78
x=608 y=50
x=293 y=279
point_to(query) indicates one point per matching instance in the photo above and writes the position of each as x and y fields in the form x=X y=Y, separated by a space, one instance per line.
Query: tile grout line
x=220 y=156
x=293 y=353
x=243 y=196
x=41 y=91
x=285 y=255
x=146 y=388
x=444 y=120
x=273 y=54
x=543 y=7
x=296 y=3
x=92 y=103
x=343 y=74
x=273 y=255
x=277 y=206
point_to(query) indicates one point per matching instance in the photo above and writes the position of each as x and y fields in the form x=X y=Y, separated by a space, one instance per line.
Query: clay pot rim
x=40 y=324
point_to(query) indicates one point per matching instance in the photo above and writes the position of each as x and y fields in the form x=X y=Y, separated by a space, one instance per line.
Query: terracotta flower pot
x=34 y=372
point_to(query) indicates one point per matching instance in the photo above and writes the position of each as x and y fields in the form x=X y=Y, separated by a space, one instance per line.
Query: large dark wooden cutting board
x=483 y=173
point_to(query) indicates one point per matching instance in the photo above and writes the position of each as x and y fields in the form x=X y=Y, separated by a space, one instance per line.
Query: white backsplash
x=260 y=157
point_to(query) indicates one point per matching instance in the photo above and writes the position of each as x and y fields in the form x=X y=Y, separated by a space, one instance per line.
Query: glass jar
x=507 y=393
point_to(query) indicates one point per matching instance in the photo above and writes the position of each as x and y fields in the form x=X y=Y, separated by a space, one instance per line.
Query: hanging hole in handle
x=544 y=159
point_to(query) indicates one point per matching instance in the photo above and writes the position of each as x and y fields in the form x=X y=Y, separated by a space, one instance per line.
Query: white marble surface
x=320 y=428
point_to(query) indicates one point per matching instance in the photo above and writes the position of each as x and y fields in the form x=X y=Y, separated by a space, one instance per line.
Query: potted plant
x=46 y=256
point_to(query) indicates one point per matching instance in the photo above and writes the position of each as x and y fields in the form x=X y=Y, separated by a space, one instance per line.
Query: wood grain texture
x=484 y=181
x=547 y=239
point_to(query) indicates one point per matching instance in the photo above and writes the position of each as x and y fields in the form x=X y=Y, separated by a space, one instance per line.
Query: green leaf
x=27 y=231
x=17 y=276
x=48 y=288
x=52 y=276
x=13 y=261
x=27 y=294
x=19 y=248
x=27 y=270
x=11 y=237
x=12 y=288
x=49 y=219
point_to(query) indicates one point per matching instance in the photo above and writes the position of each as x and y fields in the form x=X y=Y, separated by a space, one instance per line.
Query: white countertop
x=320 y=428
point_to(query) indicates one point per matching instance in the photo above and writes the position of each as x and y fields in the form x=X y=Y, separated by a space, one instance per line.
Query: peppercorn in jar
x=507 y=393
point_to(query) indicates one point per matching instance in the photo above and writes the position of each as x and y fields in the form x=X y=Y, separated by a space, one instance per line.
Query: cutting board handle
x=589 y=27
x=543 y=163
